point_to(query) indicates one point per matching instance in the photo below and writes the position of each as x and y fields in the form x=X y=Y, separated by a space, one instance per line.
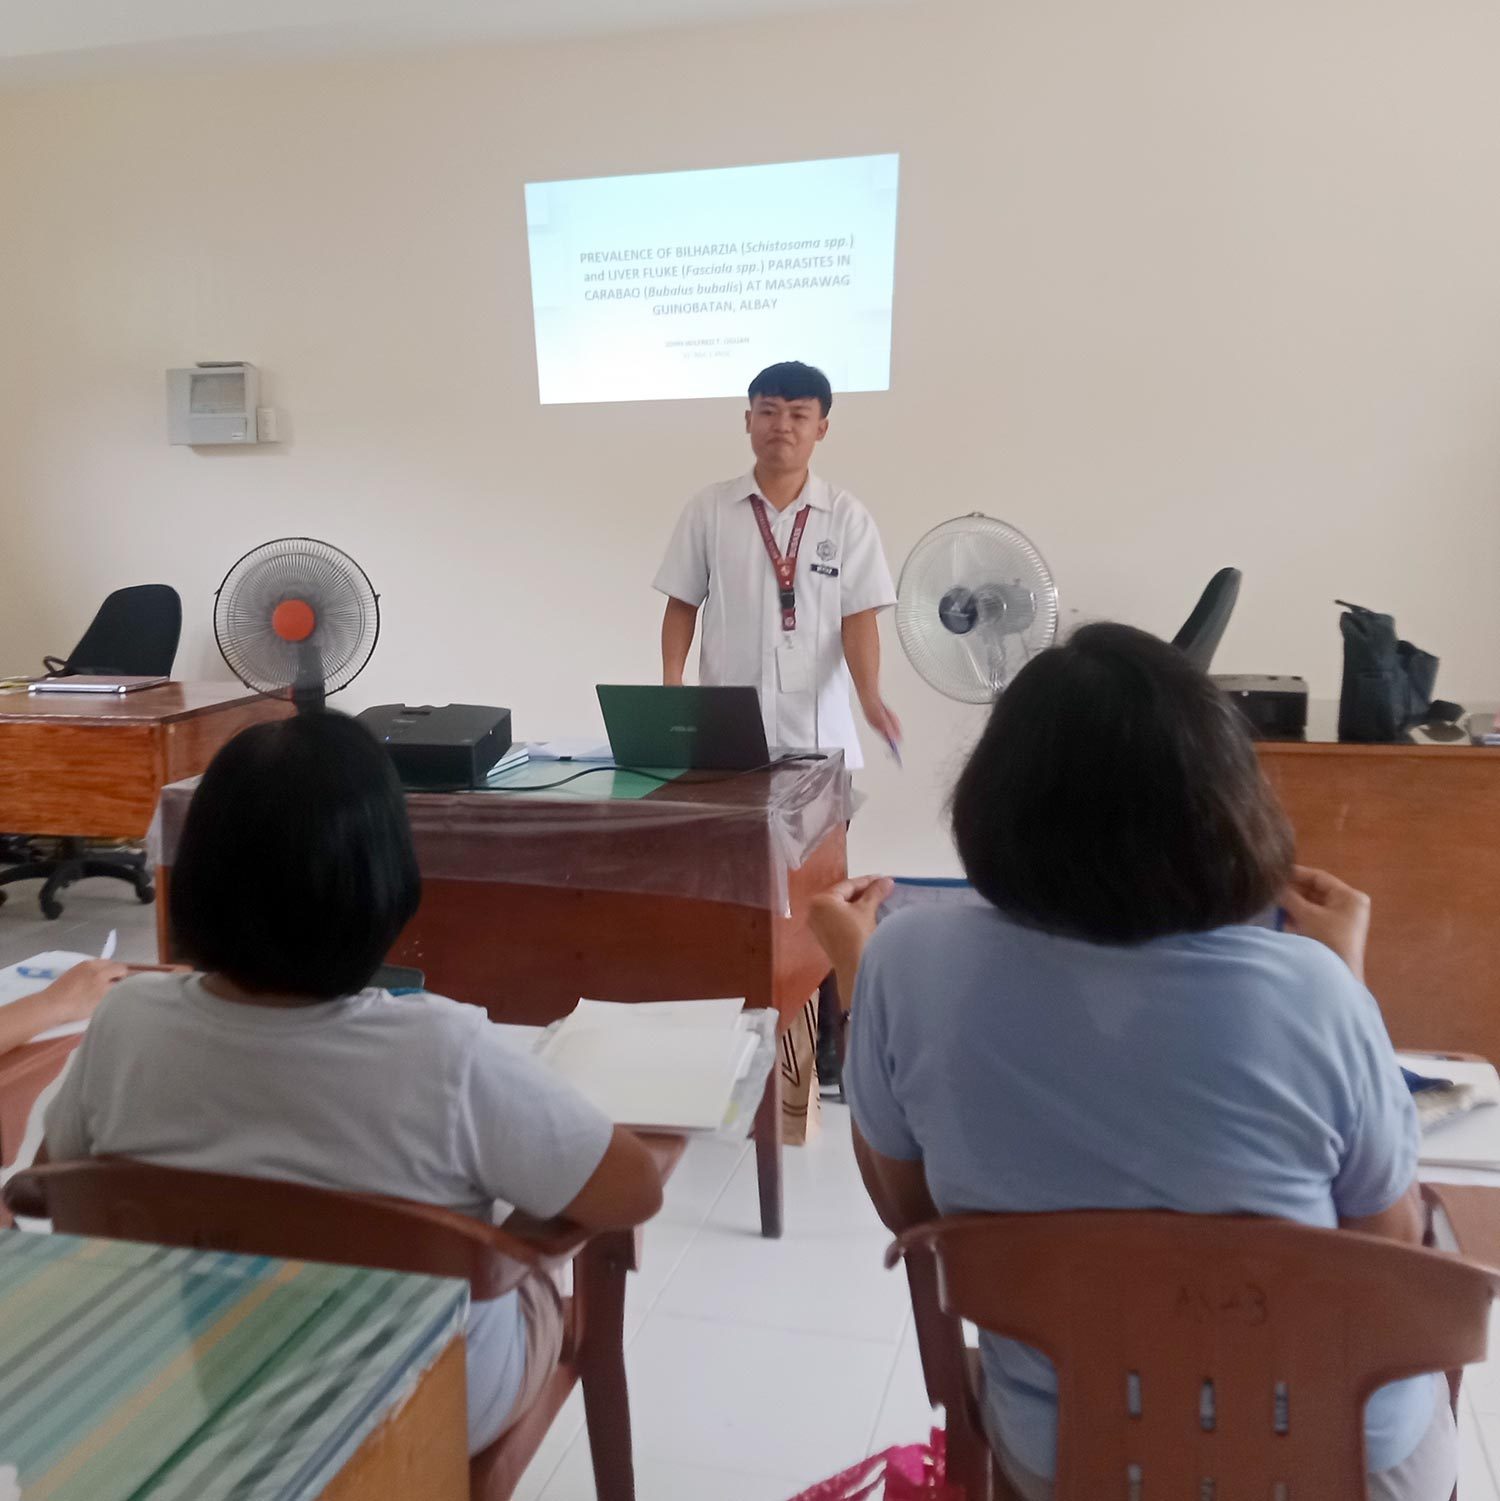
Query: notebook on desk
x=1470 y=1139
x=662 y=1065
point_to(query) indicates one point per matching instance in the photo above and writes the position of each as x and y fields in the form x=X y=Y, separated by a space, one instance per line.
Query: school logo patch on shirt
x=826 y=549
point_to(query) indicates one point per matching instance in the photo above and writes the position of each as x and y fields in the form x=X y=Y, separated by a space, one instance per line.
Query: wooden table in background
x=1418 y=827
x=93 y=767
x=609 y=919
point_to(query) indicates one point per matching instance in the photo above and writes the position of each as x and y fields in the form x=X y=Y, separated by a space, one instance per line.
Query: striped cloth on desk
x=131 y=1371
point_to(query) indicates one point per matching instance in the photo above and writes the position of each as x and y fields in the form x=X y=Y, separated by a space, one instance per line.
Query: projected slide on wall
x=682 y=284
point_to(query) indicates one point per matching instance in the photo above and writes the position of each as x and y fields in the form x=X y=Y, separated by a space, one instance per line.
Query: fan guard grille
x=975 y=603
x=345 y=608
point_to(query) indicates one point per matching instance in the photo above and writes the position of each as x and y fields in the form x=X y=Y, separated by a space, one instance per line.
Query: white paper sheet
x=1464 y=1141
x=717 y=1016
x=665 y=1064
x=15 y=986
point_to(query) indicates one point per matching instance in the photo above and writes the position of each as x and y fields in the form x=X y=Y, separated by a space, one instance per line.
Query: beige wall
x=1179 y=283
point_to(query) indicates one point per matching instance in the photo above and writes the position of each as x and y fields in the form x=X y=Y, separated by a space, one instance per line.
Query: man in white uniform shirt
x=790 y=575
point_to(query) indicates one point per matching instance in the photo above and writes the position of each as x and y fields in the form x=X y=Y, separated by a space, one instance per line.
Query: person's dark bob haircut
x=793 y=381
x=295 y=870
x=1115 y=796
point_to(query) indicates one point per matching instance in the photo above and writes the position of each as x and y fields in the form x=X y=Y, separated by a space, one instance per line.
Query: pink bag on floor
x=914 y=1472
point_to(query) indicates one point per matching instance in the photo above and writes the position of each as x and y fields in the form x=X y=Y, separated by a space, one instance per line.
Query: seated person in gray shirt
x=294 y=876
x=1111 y=1030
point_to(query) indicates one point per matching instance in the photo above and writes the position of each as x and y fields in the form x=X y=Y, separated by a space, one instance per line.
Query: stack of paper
x=656 y=1065
x=575 y=749
x=517 y=755
x=1469 y=1140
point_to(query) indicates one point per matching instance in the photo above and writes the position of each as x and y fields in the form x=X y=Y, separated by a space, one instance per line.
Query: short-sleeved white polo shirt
x=717 y=559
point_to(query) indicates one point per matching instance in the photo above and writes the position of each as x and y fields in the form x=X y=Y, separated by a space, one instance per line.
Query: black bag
x=1388 y=683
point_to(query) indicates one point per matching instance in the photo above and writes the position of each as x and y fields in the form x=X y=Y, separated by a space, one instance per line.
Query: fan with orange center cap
x=296 y=618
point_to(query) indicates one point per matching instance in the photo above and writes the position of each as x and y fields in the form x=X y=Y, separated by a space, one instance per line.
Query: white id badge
x=794 y=672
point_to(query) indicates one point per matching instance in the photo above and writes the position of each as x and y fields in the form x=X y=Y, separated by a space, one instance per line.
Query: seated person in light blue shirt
x=1110 y=1031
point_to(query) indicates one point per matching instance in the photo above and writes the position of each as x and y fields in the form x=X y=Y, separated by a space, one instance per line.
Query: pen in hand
x=42 y=972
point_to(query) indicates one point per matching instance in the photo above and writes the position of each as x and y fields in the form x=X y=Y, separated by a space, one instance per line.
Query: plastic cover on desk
x=717 y=838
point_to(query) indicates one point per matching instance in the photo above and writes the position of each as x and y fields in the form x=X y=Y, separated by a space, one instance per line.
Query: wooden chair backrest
x=1195 y=1348
x=119 y=1199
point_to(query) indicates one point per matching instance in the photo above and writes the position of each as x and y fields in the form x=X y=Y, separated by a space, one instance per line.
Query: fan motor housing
x=451 y=746
x=975 y=603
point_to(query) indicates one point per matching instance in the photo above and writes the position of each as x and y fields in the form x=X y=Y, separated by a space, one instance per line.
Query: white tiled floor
x=91 y=911
x=756 y=1367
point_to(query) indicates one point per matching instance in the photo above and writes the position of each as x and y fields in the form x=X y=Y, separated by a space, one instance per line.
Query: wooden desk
x=1418 y=827
x=131 y=1370
x=1473 y=1214
x=93 y=768
x=700 y=889
x=24 y=1073
x=411 y=1453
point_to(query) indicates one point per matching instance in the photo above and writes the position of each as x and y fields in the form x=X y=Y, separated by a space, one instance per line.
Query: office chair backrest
x=1204 y=628
x=1197 y=1348
x=135 y=634
x=119 y=1199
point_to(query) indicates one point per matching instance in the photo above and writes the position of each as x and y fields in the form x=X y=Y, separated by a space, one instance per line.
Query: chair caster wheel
x=51 y=908
x=146 y=894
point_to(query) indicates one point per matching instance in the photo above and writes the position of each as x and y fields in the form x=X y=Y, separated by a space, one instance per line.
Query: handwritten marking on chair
x=1133 y=1393
x=1241 y=1303
x=1132 y=1483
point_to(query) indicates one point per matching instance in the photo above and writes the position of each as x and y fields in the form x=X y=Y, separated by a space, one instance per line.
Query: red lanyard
x=786 y=567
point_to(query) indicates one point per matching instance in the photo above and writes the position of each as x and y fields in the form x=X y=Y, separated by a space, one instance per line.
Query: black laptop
x=697 y=729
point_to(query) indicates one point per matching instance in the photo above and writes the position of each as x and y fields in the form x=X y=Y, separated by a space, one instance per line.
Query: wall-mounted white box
x=214 y=402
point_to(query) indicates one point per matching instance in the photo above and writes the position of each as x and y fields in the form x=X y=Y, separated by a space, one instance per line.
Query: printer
x=1275 y=707
x=450 y=746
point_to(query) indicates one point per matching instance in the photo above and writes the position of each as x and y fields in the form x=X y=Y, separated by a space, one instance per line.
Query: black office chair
x=1204 y=628
x=134 y=634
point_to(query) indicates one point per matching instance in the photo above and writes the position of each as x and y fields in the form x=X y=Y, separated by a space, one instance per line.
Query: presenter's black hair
x=1115 y=796
x=793 y=381
x=295 y=871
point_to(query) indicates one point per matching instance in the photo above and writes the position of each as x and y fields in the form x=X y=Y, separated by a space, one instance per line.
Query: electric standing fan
x=974 y=605
x=296 y=618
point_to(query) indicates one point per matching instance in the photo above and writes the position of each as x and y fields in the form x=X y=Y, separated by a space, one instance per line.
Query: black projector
x=452 y=746
x=1276 y=707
